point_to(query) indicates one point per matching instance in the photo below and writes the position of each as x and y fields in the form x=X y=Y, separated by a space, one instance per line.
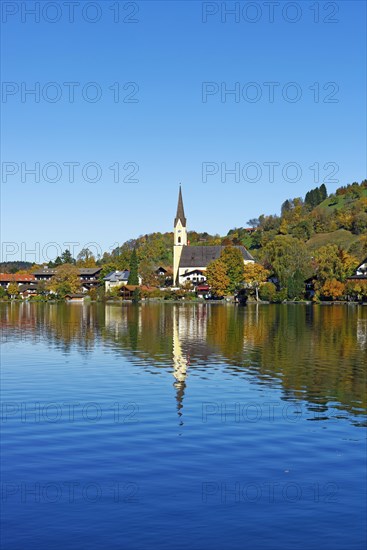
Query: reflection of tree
x=316 y=353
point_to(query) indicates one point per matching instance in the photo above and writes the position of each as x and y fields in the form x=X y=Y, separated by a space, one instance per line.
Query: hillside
x=341 y=237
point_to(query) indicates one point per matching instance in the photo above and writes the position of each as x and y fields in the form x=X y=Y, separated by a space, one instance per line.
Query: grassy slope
x=341 y=237
x=337 y=202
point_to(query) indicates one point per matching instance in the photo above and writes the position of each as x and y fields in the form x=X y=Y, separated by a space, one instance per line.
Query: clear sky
x=158 y=110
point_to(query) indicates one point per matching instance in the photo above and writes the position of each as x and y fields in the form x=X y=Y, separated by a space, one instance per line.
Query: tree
x=268 y=292
x=296 y=285
x=65 y=281
x=217 y=279
x=254 y=222
x=331 y=262
x=323 y=192
x=86 y=258
x=67 y=258
x=233 y=261
x=255 y=274
x=286 y=206
x=136 y=296
x=284 y=256
x=356 y=289
x=134 y=267
x=13 y=290
x=333 y=289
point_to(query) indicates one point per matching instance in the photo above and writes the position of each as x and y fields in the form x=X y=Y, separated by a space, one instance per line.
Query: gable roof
x=82 y=271
x=17 y=278
x=117 y=276
x=201 y=256
x=362 y=263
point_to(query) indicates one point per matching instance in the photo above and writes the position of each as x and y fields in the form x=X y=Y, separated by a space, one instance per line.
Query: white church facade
x=190 y=262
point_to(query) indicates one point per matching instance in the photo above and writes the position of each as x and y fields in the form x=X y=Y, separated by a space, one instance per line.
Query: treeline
x=14 y=267
x=319 y=237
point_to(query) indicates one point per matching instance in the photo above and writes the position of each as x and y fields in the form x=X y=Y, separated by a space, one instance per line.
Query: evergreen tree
x=134 y=266
x=286 y=206
x=323 y=192
x=67 y=258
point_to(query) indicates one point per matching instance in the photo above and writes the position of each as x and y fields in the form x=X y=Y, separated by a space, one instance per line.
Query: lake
x=172 y=426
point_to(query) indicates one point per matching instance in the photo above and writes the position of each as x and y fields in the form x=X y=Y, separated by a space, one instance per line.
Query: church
x=190 y=262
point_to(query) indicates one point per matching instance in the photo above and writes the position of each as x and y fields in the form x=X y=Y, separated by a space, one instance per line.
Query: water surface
x=183 y=426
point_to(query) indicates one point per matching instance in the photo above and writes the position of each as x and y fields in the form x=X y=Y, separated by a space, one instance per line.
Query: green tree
x=232 y=259
x=323 y=192
x=67 y=258
x=284 y=257
x=296 y=285
x=136 y=295
x=134 y=267
x=268 y=292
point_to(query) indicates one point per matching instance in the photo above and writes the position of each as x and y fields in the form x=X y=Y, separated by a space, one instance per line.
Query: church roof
x=201 y=256
x=180 y=215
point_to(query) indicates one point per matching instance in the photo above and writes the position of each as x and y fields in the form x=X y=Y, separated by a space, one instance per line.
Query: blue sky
x=177 y=129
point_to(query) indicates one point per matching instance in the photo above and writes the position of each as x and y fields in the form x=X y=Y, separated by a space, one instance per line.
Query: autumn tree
x=65 y=281
x=217 y=278
x=253 y=275
x=86 y=258
x=13 y=290
x=356 y=289
x=333 y=289
x=331 y=262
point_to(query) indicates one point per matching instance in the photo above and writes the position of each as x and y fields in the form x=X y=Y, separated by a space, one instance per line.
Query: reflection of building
x=194 y=259
x=189 y=331
x=180 y=362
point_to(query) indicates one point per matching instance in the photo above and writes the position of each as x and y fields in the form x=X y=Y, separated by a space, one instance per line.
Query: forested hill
x=304 y=231
x=309 y=222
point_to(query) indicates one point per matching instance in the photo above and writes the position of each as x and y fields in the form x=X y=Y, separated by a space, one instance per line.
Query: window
x=179 y=240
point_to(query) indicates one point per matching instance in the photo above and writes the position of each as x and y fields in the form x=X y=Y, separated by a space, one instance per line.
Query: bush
x=268 y=292
x=280 y=296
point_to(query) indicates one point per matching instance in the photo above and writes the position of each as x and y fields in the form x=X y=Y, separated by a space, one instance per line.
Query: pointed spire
x=180 y=210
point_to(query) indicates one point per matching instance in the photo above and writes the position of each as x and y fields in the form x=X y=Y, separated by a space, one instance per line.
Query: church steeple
x=179 y=236
x=180 y=215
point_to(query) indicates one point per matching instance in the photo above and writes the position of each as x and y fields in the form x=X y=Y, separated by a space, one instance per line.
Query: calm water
x=171 y=427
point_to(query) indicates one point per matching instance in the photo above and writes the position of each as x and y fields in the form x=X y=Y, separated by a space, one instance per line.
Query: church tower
x=180 y=237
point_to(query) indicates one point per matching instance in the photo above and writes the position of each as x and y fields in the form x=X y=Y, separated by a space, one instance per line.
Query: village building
x=118 y=279
x=20 y=279
x=190 y=262
x=361 y=271
x=88 y=276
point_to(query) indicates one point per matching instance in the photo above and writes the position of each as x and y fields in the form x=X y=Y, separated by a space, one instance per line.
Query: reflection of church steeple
x=180 y=363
